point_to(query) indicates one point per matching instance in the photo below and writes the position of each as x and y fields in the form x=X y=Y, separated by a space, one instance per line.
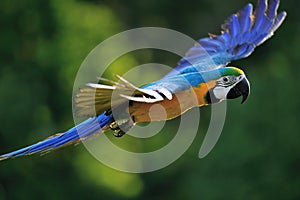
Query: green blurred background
x=42 y=44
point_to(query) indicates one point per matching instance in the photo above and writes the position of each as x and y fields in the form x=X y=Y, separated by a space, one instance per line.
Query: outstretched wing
x=94 y=99
x=241 y=33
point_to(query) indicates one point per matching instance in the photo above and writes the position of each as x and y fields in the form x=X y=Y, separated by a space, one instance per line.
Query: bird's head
x=232 y=83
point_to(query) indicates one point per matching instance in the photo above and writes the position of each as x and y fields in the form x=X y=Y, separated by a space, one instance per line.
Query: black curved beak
x=240 y=89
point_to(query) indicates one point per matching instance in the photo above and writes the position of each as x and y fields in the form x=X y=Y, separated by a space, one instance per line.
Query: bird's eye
x=225 y=79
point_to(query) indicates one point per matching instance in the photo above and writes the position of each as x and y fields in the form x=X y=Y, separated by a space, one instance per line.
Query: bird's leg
x=121 y=126
x=123 y=122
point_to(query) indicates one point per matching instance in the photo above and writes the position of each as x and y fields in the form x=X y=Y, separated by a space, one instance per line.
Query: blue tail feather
x=83 y=131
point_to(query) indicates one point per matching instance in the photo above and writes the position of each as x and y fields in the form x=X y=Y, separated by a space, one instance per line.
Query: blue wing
x=241 y=33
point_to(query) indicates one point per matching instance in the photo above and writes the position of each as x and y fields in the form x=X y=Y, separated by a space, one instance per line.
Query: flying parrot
x=120 y=105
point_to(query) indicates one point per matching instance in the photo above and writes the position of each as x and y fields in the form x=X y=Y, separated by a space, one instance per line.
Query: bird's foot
x=120 y=127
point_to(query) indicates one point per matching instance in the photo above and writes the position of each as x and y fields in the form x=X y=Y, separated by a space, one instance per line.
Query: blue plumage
x=242 y=32
x=205 y=61
x=177 y=83
x=74 y=135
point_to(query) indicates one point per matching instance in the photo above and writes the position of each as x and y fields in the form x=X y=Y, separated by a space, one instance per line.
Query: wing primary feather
x=210 y=42
x=245 y=18
x=126 y=83
x=109 y=82
x=100 y=86
x=235 y=28
x=272 y=9
x=259 y=14
x=278 y=21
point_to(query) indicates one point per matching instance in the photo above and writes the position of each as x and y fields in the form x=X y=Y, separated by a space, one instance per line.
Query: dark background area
x=42 y=45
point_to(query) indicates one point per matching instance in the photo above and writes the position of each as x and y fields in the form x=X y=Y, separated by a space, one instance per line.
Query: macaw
x=208 y=78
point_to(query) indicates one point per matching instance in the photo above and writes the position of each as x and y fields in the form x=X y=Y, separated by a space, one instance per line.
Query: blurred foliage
x=42 y=46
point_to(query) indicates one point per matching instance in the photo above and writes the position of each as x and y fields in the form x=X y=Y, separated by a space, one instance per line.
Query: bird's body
x=201 y=78
x=194 y=85
x=145 y=112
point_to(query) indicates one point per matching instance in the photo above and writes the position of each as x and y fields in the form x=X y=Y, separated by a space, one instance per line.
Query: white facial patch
x=221 y=92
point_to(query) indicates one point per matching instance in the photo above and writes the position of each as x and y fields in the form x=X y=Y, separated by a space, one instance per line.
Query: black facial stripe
x=226 y=84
